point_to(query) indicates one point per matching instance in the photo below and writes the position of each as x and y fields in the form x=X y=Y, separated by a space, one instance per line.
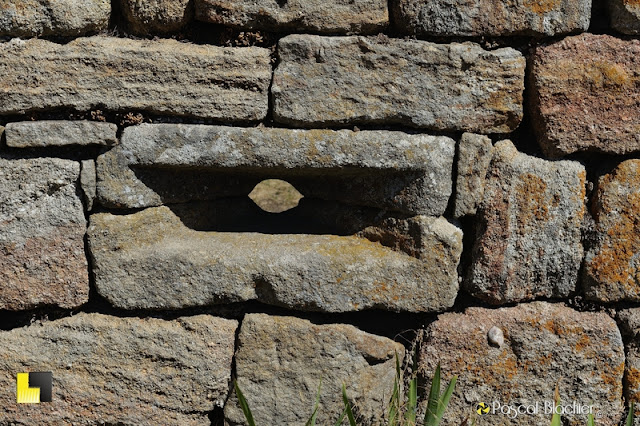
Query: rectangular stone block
x=474 y=157
x=295 y=356
x=332 y=17
x=157 y=16
x=331 y=81
x=65 y=18
x=42 y=228
x=167 y=258
x=110 y=370
x=390 y=170
x=612 y=269
x=164 y=77
x=585 y=95
x=528 y=241
x=33 y=134
x=516 y=356
x=492 y=17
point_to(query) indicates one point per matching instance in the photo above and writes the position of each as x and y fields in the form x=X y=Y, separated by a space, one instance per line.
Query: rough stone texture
x=151 y=259
x=332 y=17
x=88 y=182
x=42 y=227
x=612 y=266
x=492 y=17
x=32 y=18
x=625 y=15
x=393 y=170
x=390 y=81
x=150 y=17
x=544 y=344
x=109 y=370
x=281 y=361
x=629 y=321
x=474 y=156
x=585 y=93
x=528 y=237
x=59 y=133
x=115 y=74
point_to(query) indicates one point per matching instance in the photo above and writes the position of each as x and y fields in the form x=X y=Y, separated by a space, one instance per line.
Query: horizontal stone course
x=492 y=17
x=156 y=76
x=120 y=370
x=542 y=345
x=392 y=170
x=332 y=81
x=281 y=362
x=332 y=17
x=528 y=241
x=32 y=134
x=32 y=18
x=612 y=270
x=585 y=94
x=152 y=260
x=42 y=258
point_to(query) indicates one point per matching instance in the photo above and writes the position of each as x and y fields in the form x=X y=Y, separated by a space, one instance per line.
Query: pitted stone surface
x=417 y=83
x=474 y=156
x=392 y=170
x=120 y=370
x=32 y=18
x=151 y=260
x=42 y=258
x=156 y=16
x=281 y=361
x=118 y=74
x=544 y=344
x=625 y=15
x=492 y=17
x=529 y=232
x=585 y=93
x=328 y=17
x=31 y=134
x=612 y=266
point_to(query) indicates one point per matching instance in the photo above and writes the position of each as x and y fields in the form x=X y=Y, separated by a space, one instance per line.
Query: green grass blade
x=556 y=418
x=430 y=418
x=244 y=405
x=347 y=407
x=591 y=421
x=412 y=402
x=629 y=421
x=314 y=415
x=444 y=401
x=341 y=419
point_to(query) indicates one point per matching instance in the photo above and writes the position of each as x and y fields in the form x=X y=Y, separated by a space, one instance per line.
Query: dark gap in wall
x=599 y=18
x=117 y=22
x=454 y=181
x=217 y=414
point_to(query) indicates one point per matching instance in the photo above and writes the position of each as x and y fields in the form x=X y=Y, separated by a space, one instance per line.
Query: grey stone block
x=31 y=134
x=474 y=156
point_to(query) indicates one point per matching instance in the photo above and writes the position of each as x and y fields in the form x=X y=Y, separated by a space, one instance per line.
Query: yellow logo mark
x=482 y=408
x=25 y=394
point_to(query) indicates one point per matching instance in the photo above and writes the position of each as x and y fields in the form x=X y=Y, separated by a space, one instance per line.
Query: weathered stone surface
x=156 y=16
x=42 y=259
x=585 y=93
x=59 y=133
x=150 y=259
x=492 y=17
x=116 y=74
x=31 y=18
x=88 y=182
x=544 y=344
x=332 y=17
x=528 y=237
x=281 y=361
x=392 y=170
x=629 y=320
x=391 y=81
x=474 y=156
x=612 y=266
x=625 y=15
x=109 y=370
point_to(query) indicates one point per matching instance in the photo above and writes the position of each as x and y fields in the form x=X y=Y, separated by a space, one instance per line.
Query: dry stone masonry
x=470 y=182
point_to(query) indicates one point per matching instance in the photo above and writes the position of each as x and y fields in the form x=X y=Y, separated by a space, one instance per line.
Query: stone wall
x=471 y=182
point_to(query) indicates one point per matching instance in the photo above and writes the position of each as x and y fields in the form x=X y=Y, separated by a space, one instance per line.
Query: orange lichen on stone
x=631 y=2
x=531 y=198
x=541 y=6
